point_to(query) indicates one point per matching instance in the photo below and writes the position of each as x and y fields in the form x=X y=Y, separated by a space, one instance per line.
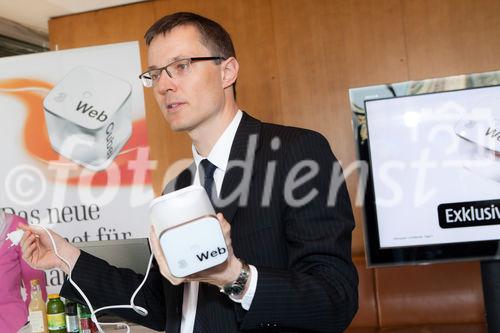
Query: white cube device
x=88 y=116
x=190 y=234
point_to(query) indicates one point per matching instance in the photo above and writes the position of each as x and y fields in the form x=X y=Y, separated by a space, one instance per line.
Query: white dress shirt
x=219 y=156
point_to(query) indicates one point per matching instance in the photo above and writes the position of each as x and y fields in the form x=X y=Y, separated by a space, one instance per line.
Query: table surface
x=108 y=329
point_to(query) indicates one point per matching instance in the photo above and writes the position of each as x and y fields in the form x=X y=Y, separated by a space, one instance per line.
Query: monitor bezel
x=416 y=254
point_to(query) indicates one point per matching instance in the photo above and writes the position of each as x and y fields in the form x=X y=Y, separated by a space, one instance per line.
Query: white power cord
x=15 y=238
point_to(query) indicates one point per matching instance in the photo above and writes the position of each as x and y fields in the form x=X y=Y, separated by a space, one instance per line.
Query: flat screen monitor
x=431 y=152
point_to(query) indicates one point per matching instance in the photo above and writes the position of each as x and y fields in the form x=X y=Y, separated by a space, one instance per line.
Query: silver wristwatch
x=236 y=288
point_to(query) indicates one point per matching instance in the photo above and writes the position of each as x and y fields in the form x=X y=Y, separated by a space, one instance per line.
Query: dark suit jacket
x=292 y=221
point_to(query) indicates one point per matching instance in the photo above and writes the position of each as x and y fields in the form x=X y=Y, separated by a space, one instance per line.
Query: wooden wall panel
x=326 y=47
x=451 y=37
x=113 y=25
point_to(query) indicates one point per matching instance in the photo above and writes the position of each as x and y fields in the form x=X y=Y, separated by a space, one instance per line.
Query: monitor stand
x=490 y=274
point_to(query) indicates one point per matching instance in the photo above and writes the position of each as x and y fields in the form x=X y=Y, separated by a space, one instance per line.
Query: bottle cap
x=35 y=282
x=71 y=309
x=53 y=296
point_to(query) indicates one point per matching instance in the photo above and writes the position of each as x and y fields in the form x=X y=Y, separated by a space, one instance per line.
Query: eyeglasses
x=176 y=69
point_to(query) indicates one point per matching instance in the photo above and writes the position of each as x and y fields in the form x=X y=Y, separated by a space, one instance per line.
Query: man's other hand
x=38 y=250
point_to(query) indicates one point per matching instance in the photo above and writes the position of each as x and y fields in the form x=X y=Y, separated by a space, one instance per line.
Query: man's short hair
x=213 y=35
x=215 y=38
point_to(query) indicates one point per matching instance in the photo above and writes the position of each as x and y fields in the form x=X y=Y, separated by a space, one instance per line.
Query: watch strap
x=236 y=288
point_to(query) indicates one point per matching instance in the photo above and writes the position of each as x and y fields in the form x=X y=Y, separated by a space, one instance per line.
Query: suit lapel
x=243 y=149
x=186 y=177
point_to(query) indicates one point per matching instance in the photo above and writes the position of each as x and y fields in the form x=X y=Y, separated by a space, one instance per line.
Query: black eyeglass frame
x=191 y=60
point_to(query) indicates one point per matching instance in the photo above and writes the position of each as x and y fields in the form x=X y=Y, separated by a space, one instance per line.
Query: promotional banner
x=74 y=143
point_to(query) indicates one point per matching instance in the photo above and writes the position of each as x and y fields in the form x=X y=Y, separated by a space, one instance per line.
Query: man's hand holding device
x=190 y=242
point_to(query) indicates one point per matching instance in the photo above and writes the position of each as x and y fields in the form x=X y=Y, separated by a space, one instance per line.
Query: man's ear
x=230 y=68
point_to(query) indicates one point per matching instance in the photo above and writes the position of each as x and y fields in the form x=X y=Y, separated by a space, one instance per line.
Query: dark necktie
x=205 y=292
x=214 y=311
x=206 y=171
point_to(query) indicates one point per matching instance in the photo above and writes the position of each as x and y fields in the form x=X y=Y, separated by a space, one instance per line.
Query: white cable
x=138 y=309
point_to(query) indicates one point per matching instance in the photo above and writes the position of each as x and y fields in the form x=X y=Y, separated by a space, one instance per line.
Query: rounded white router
x=190 y=234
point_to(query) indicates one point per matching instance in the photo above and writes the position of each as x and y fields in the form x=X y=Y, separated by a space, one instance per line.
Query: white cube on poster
x=88 y=116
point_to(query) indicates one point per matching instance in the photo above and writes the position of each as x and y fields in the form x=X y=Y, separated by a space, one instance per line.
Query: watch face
x=237 y=287
x=234 y=289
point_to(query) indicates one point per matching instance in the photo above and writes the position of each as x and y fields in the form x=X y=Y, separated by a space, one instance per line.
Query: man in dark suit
x=284 y=209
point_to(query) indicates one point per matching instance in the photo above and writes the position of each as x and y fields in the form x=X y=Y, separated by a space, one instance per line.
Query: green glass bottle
x=55 y=314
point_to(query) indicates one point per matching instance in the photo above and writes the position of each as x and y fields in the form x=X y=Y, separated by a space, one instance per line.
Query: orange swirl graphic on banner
x=36 y=140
